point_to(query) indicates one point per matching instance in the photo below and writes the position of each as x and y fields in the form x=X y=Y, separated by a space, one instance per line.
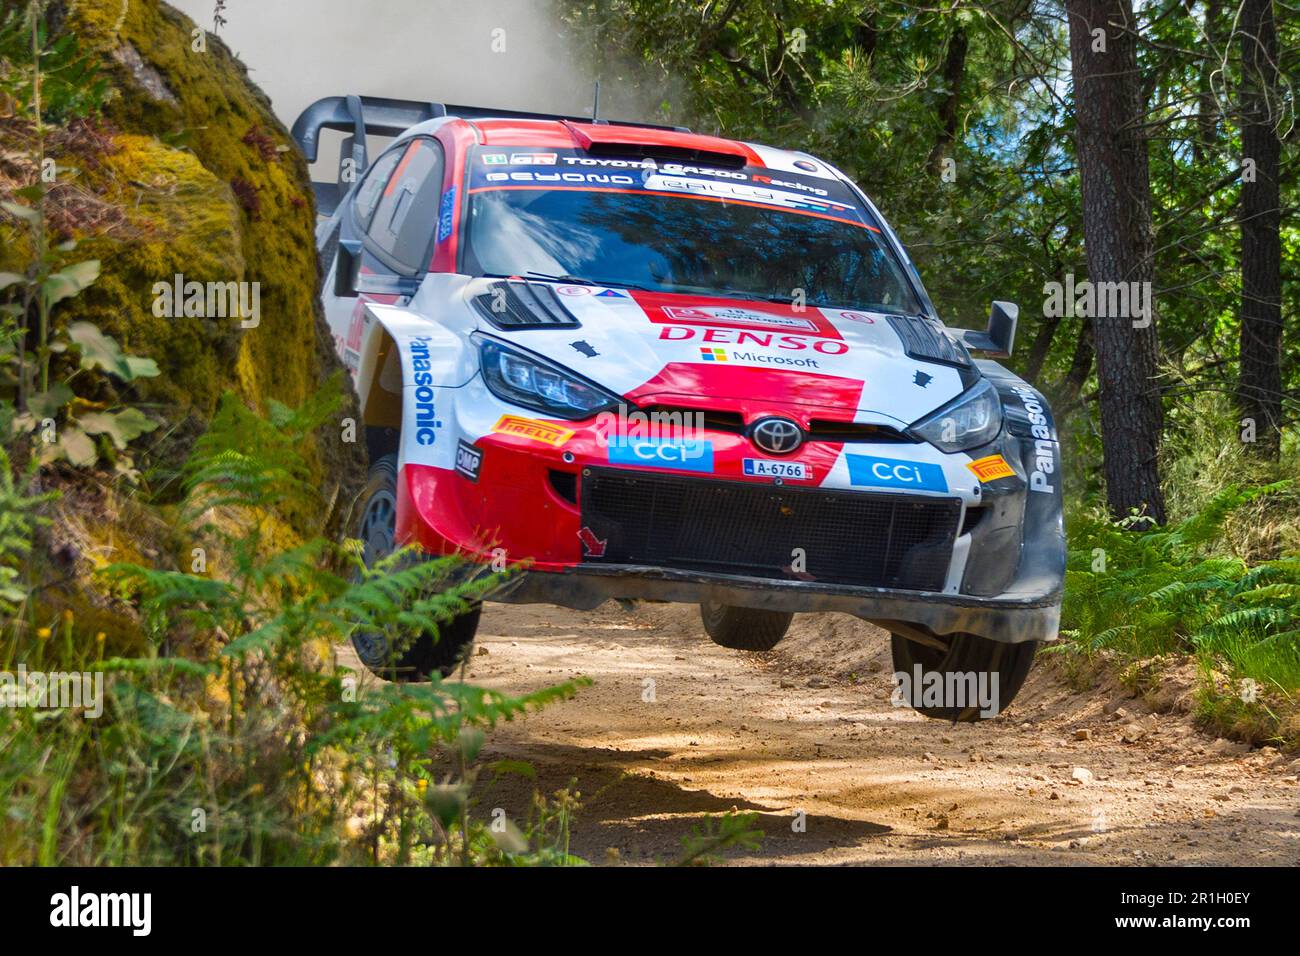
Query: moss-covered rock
x=187 y=172
x=190 y=174
x=183 y=222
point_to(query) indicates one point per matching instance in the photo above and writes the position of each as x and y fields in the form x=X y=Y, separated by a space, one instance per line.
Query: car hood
x=746 y=356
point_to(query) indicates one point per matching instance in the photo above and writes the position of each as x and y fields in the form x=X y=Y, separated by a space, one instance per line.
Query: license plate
x=766 y=468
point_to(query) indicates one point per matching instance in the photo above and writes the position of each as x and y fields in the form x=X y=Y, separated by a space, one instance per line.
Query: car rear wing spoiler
x=357 y=116
x=381 y=116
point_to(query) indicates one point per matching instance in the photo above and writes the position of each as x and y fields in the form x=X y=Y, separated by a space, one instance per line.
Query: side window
x=368 y=193
x=406 y=217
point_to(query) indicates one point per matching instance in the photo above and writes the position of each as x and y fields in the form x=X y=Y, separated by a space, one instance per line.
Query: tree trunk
x=1116 y=193
x=865 y=36
x=1207 y=107
x=954 y=71
x=1038 y=351
x=1080 y=364
x=1259 y=391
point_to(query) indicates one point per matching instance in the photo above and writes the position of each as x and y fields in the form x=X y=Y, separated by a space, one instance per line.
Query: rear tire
x=967 y=654
x=744 y=628
x=424 y=653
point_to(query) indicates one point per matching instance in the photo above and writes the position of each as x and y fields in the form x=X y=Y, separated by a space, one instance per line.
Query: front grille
x=731 y=527
x=823 y=429
x=819 y=429
x=684 y=417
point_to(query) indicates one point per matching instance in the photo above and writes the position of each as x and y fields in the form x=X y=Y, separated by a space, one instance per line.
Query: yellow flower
x=421 y=785
x=43 y=633
x=101 y=637
x=67 y=615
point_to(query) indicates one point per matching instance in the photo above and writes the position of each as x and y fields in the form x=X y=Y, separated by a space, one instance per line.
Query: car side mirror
x=349 y=282
x=1001 y=335
x=347 y=266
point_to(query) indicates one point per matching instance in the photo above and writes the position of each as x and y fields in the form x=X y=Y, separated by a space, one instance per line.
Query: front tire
x=406 y=657
x=966 y=654
x=744 y=628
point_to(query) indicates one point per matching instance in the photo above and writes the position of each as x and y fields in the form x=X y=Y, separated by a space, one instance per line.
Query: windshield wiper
x=583 y=280
x=753 y=296
x=575 y=280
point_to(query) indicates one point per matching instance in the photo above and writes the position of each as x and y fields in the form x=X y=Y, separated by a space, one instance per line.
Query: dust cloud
x=511 y=54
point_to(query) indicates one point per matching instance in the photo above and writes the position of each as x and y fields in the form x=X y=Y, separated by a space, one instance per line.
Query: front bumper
x=1004 y=579
x=1010 y=618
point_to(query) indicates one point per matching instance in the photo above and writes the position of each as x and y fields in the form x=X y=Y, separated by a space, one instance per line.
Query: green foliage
x=1171 y=591
x=70 y=81
x=888 y=91
x=247 y=461
x=19 y=518
x=547 y=832
x=708 y=839
x=238 y=739
x=102 y=351
x=43 y=287
x=45 y=283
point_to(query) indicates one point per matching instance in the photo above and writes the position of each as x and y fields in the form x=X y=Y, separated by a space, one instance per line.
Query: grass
x=1220 y=583
x=237 y=739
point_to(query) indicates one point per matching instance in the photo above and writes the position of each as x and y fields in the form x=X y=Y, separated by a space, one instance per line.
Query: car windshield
x=670 y=242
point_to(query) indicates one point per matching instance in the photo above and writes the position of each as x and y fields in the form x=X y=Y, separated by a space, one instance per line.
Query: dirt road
x=675 y=728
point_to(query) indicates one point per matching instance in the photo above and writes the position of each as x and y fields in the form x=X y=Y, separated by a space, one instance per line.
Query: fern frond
x=1249 y=617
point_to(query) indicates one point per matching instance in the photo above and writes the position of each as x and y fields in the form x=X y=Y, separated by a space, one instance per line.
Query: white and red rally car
x=660 y=365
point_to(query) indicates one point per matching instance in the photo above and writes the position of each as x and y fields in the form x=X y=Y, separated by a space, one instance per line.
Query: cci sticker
x=869 y=472
x=663 y=453
x=533 y=430
x=991 y=468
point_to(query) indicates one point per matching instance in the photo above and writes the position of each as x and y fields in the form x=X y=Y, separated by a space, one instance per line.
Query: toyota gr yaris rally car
x=646 y=363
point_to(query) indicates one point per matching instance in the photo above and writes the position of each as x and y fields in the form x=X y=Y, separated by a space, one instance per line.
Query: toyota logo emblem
x=777 y=436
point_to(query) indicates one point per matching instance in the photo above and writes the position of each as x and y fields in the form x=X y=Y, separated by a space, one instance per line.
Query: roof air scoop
x=927 y=342
x=643 y=143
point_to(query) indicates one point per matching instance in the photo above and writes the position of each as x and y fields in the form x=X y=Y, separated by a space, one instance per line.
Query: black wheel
x=744 y=628
x=403 y=657
x=966 y=655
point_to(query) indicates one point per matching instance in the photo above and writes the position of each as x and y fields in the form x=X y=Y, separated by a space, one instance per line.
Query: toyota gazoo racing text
x=645 y=363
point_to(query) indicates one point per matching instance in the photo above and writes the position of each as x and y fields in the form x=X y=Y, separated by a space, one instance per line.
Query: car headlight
x=522 y=378
x=970 y=420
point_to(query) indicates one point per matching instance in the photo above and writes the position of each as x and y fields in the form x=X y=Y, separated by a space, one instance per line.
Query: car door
x=354 y=215
x=403 y=226
x=394 y=214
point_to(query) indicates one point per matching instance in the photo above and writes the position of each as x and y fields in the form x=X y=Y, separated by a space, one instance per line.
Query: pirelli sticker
x=533 y=430
x=991 y=468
